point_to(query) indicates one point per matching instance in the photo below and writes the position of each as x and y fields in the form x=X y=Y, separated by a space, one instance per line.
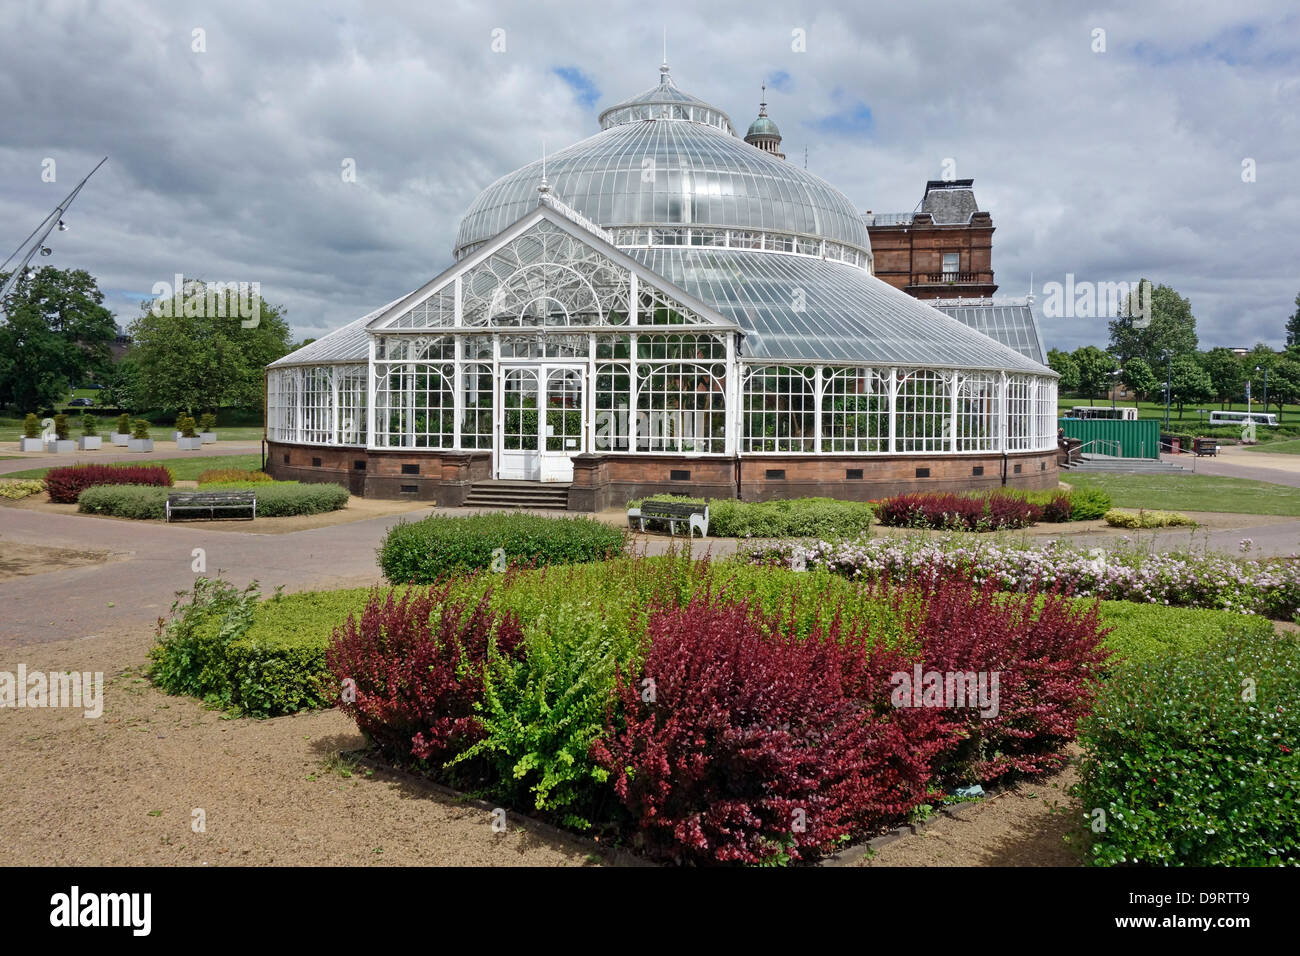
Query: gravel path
x=123 y=789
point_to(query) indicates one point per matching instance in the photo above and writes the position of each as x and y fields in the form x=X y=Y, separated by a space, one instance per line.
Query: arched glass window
x=415 y=406
x=1019 y=414
x=317 y=404
x=681 y=407
x=351 y=381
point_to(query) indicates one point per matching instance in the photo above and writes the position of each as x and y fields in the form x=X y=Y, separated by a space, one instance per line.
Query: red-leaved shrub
x=749 y=747
x=416 y=667
x=749 y=730
x=946 y=510
x=1046 y=651
x=65 y=484
x=1010 y=511
x=1058 y=507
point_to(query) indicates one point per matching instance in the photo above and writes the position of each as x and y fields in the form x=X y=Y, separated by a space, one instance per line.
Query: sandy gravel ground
x=122 y=789
x=1026 y=825
x=18 y=559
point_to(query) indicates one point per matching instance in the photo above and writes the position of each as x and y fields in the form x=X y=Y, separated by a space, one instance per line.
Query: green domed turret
x=763 y=132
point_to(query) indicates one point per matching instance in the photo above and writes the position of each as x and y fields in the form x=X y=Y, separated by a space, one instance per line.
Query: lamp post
x=1114 y=387
x=1264 y=399
x=1169 y=377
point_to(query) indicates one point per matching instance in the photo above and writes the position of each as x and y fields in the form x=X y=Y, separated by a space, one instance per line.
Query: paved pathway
x=154 y=561
x=1278 y=539
x=151 y=562
x=1237 y=462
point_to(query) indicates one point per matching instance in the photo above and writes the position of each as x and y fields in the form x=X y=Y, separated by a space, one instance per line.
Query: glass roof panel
x=800 y=309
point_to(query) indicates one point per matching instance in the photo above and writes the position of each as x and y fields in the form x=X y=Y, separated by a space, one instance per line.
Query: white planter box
x=189 y=444
x=176 y=436
x=120 y=438
x=31 y=444
x=89 y=442
x=209 y=438
x=61 y=447
x=140 y=444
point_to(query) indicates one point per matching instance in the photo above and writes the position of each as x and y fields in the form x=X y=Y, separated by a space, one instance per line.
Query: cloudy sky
x=225 y=162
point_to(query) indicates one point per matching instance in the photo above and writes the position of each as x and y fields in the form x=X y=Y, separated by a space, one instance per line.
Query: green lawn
x=1192 y=493
x=1189 y=420
x=185 y=469
x=1278 y=447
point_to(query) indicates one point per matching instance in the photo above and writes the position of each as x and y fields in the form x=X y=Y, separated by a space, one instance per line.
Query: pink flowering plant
x=1199 y=579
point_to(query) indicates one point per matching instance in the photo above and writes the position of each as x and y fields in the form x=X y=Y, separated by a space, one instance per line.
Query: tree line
x=57 y=335
x=1146 y=353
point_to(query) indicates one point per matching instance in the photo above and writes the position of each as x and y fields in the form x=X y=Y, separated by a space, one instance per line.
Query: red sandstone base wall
x=440 y=477
x=603 y=481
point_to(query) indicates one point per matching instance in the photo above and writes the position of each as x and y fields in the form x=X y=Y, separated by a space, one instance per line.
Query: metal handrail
x=1106 y=442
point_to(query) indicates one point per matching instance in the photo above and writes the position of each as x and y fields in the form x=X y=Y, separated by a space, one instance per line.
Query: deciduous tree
x=194 y=351
x=56 y=334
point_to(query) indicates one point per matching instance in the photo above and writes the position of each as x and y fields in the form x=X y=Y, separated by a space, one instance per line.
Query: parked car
x=81 y=402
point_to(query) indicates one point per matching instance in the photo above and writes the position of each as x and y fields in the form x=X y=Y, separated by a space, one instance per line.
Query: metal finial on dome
x=762 y=107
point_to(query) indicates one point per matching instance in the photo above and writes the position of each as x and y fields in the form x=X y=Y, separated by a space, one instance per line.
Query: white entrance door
x=541 y=425
x=518 y=431
x=562 y=431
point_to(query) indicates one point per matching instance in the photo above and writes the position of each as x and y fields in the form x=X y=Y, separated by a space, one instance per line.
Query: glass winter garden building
x=667 y=307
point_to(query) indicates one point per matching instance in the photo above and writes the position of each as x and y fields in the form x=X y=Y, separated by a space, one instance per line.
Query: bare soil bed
x=17 y=559
x=1025 y=825
x=123 y=789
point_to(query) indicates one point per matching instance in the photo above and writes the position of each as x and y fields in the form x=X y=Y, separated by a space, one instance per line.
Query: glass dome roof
x=674 y=170
x=659 y=103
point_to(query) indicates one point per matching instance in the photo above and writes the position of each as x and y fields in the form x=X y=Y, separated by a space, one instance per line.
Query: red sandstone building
x=943 y=250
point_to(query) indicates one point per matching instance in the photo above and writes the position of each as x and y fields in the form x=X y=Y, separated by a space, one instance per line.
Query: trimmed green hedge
x=788 y=518
x=422 y=552
x=1193 y=758
x=142 y=502
x=262 y=658
x=1145 y=632
x=1088 y=504
x=1118 y=518
x=283 y=499
x=280 y=499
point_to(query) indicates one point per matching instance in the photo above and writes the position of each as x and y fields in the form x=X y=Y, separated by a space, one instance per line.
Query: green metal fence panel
x=1140 y=439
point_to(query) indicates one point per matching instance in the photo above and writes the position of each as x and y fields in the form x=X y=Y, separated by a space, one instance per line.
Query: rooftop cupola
x=763 y=132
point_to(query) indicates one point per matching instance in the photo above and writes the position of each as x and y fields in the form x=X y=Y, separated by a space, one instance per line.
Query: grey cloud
x=226 y=164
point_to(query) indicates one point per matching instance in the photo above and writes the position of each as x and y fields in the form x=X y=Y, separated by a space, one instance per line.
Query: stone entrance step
x=549 y=495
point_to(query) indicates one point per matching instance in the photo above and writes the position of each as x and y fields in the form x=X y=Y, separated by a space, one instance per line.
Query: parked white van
x=1240 y=418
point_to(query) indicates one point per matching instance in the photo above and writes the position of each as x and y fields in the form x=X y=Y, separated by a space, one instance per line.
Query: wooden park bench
x=209 y=503
x=693 y=514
